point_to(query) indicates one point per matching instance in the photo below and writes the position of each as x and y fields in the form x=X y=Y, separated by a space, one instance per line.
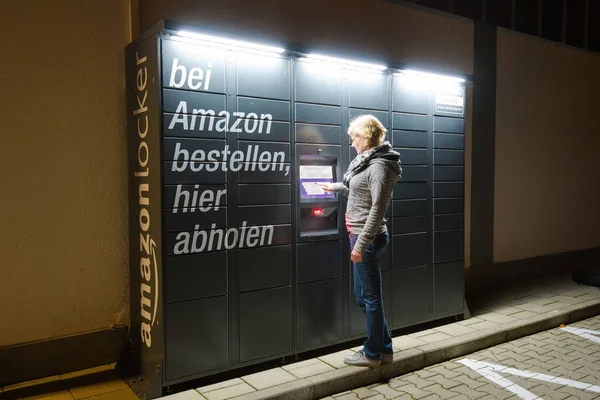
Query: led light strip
x=429 y=76
x=316 y=57
x=231 y=42
x=362 y=65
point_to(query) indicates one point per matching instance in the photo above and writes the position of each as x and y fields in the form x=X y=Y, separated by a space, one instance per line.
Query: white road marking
x=487 y=371
x=491 y=372
x=589 y=334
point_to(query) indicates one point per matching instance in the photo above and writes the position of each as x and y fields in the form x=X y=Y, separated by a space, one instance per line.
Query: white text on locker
x=235 y=161
x=195 y=78
x=205 y=201
x=252 y=123
x=213 y=239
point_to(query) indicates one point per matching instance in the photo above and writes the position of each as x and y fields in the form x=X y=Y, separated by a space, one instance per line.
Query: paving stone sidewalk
x=499 y=318
x=556 y=364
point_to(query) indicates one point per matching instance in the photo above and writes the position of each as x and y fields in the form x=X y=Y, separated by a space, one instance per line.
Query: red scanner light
x=317 y=212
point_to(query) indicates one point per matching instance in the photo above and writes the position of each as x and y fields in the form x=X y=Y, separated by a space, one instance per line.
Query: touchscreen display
x=310 y=175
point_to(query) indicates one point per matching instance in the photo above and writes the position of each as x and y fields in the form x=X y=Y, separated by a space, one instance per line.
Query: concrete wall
x=63 y=205
x=373 y=29
x=547 y=166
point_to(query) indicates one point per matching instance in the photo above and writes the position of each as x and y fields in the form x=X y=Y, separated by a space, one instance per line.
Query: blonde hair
x=368 y=126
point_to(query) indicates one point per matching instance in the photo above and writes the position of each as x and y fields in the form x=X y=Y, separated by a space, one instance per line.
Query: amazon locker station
x=237 y=257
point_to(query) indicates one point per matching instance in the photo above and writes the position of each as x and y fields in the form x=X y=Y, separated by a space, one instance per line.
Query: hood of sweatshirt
x=385 y=155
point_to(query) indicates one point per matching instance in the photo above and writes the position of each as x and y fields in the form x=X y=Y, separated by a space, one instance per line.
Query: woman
x=369 y=183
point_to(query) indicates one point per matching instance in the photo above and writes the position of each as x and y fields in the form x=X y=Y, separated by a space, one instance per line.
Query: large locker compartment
x=248 y=263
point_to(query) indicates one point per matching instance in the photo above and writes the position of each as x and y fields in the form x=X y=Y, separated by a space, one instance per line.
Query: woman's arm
x=337 y=187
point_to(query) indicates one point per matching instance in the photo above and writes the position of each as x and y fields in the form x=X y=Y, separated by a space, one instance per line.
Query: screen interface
x=310 y=175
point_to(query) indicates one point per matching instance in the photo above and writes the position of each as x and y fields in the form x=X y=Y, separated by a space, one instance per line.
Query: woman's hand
x=326 y=186
x=356 y=256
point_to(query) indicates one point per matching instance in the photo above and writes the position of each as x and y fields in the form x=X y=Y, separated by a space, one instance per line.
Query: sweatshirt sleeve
x=381 y=185
x=339 y=187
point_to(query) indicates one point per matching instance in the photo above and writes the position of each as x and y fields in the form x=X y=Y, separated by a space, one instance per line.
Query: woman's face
x=359 y=143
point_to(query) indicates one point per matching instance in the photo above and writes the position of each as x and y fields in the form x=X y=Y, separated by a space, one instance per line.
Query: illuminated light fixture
x=230 y=42
x=362 y=65
x=318 y=212
x=430 y=76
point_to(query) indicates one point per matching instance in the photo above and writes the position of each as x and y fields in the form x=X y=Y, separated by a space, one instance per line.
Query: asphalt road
x=561 y=363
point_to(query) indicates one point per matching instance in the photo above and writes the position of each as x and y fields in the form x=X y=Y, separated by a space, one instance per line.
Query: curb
x=417 y=358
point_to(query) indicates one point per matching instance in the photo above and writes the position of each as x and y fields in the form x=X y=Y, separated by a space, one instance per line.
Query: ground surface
x=556 y=364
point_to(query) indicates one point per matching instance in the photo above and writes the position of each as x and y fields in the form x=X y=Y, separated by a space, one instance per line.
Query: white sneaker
x=359 y=359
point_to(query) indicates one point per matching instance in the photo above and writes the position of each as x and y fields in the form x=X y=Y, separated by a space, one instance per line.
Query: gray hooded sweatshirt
x=369 y=196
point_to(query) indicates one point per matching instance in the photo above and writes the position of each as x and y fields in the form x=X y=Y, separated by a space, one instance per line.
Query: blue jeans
x=368 y=291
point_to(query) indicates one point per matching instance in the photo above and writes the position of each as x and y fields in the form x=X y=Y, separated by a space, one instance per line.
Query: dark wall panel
x=313 y=85
x=409 y=139
x=448 y=288
x=406 y=99
x=318 y=261
x=448 y=157
x=448 y=246
x=412 y=249
x=318 y=114
x=258 y=310
x=266 y=215
x=352 y=152
x=447 y=124
x=410 y=296
x=265 y=267
x=319 y=314
x=277 y=110
x=442 y=173
x=367 y=90
x=414 y=174
x=409 y=122
x=448 y=206
x=409 y=190
x=264 y=194
x=190 y=347
x=195 y=276
x=448 y=141
x=263 y=76
x=406 y=208
x=448 y=222
x=448 y=189
x=275 y=131
x=318 y=134
x=412 y=156
x=410 y=225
